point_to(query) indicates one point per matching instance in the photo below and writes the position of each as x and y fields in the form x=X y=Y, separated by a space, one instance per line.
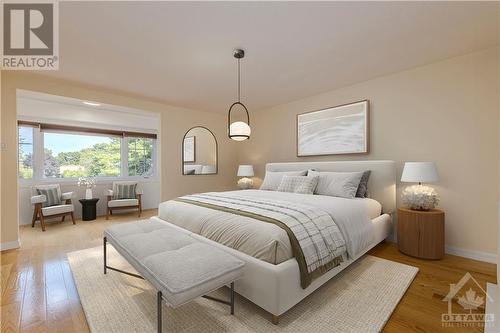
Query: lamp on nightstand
x=245 y=171
x=420 y=197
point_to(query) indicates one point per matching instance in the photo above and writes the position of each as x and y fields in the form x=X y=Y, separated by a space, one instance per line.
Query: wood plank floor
x=38 y=293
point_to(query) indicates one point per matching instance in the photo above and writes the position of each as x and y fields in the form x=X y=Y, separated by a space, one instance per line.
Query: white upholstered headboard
x=381 y=185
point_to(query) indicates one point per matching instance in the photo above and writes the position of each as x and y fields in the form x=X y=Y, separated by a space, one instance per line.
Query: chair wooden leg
x=35 y=216
x=62 y=219
x=42 y=221
x=140 y=211
x=107 y=213
x=72 y=217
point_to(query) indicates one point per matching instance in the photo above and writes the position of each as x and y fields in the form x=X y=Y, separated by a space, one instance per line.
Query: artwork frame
x=189 y=149
x=338 y=130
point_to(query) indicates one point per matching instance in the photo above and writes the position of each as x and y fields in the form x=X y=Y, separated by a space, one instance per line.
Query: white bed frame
x=276 y=288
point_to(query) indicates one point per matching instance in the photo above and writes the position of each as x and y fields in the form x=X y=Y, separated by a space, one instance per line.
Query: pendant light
x=238 y=130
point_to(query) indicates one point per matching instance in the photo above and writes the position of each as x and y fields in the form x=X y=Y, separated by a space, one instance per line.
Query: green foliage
x=102 y=159
x=24 y=172
x=68 y=158
x=140 y=152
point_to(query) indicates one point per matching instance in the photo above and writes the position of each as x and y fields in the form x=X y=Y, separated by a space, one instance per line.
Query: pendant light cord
x=238 y=80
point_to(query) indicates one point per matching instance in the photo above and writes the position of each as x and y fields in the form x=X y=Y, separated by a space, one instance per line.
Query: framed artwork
x=189 y=149
x=342 y=129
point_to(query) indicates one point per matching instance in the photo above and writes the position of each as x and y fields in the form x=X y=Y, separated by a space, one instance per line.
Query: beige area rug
x=359 y=299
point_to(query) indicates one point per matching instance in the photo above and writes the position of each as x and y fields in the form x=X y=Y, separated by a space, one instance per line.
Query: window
x=69 y=155
x=140 y=156
x=63 y=152
x=25 y=152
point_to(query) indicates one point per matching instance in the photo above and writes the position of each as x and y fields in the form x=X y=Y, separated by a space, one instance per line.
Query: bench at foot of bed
x=177 y=265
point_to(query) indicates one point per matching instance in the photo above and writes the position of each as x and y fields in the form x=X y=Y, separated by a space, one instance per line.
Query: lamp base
x=245 y=183
x=419 y=197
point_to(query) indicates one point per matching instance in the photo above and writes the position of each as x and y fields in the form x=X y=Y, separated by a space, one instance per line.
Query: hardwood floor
x=38 y=293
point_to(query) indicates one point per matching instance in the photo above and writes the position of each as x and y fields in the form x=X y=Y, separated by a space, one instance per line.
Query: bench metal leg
x=232 y=298
x=106 y=267
x=105 y=254
x=230 y=303
x=158 y=310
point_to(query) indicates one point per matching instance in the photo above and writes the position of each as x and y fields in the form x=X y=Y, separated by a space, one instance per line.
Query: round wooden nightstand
x=421 y=233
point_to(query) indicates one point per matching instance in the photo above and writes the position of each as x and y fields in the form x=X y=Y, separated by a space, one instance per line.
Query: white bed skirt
x=276 y=288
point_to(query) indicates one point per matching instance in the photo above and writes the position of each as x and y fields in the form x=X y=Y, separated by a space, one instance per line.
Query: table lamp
x=245 y=171
x=420 y=197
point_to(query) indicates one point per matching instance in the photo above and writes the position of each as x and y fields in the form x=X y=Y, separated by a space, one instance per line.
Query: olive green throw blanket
x=317 y=242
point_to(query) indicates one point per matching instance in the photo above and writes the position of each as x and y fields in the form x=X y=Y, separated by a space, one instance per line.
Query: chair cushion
x=123 y=202
x=59 y=209
x=52 y=195
x=175 y=263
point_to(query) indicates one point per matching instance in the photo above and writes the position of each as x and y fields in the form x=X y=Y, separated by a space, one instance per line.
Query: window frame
x=32 y=153
x=153 y=159
x=38 y=160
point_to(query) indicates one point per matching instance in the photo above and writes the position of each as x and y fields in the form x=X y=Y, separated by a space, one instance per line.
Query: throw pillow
x=272 y=180
x=338 y=184
x=362 y=191
x=51 y=194
x=298 y=184
x=125 y=191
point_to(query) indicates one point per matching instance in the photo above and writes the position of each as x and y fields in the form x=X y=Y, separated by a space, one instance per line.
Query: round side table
x=421 y=233
x=88 y=209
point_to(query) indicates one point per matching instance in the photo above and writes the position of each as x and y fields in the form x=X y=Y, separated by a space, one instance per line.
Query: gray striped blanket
x=316 y=240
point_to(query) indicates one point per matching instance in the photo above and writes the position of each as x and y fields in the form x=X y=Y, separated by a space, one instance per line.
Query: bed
x=274 y=279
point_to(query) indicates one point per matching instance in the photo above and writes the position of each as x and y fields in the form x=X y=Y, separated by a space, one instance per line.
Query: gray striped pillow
x=125 y=191
x=52 y=196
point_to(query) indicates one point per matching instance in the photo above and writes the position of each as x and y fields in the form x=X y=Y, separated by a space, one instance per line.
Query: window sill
x=26 y=183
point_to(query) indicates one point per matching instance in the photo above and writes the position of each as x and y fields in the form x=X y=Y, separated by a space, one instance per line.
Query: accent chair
x=49 y=202
x=124 y=195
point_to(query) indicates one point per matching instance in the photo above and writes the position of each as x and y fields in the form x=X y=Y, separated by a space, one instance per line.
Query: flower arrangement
x=88 y=182
x=420 y=197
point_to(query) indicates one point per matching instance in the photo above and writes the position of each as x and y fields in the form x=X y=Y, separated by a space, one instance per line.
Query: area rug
x=359 y=299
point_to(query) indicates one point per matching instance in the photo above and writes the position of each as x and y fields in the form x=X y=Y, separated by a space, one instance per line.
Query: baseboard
x=10 y=245
x=471 y=254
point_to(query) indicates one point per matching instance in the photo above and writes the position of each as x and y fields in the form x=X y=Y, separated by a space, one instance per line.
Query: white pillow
x=272 y=180
x=298 y=184
x=337 y=184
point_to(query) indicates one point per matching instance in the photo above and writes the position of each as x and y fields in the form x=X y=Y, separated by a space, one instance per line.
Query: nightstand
x=421 y=233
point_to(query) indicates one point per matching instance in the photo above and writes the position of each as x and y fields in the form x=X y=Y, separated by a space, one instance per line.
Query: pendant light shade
x=238 y=130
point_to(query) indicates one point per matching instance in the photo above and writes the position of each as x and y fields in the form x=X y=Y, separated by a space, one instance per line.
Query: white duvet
x=267 y=241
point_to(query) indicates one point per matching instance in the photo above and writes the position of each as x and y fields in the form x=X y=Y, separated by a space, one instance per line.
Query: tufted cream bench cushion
x=176 y=264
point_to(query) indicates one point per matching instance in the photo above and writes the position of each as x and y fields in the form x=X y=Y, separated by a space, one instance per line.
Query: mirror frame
x=216 y=153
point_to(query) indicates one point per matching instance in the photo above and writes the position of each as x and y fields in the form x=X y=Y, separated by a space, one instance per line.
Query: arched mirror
x=199 y=152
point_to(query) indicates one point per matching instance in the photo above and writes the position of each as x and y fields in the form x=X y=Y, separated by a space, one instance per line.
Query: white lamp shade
x=239 y=131
x=419 y=172
x=245 y=171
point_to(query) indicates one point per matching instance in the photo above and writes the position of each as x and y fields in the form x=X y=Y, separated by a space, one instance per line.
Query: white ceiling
x=181 y=53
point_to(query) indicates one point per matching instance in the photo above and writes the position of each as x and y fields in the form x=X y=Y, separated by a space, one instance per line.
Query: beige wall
x=174 y=123
x=445 y=112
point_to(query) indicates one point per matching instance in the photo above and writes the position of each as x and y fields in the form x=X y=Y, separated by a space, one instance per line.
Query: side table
x=88 y=209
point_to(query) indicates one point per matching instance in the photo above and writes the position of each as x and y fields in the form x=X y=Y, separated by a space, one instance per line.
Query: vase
x=88 y=193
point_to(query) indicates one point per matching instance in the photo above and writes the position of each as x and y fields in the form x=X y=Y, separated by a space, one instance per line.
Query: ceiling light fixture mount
x=238 y=130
